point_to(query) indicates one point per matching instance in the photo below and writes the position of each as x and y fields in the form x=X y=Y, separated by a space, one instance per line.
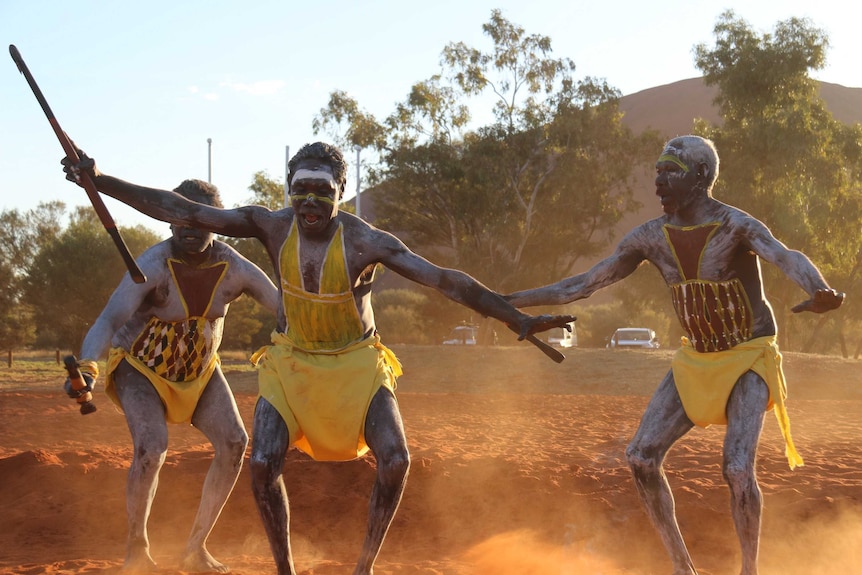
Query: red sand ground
x=518 y=467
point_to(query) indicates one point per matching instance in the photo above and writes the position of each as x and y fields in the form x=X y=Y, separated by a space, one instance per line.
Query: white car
x=633 y=338
x=462 y=335
x=563 y=337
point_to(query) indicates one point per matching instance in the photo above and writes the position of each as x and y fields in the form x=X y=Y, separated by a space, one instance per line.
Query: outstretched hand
x=539 y=323
x=824 y=300
x=85 y=164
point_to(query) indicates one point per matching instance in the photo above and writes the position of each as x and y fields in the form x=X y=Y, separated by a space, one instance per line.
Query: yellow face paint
x=314 y=175
x=674 y=160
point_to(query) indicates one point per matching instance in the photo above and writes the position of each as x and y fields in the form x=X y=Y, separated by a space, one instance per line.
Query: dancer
x=327 y=382
x=163 y=367
x=728 y=370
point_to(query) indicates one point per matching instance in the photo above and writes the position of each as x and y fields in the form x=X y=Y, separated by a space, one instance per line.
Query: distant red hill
x=671 y=110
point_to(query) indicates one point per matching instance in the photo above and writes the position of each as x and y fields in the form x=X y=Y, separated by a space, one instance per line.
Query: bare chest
x=316 y=260
x=312 y=257
x=187 y=291
x=705 y=252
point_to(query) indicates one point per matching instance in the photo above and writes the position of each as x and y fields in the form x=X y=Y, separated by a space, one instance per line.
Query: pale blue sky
x=141 y=86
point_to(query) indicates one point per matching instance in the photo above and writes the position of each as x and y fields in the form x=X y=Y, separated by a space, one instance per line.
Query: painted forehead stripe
x=673 y=159
x=313 y=175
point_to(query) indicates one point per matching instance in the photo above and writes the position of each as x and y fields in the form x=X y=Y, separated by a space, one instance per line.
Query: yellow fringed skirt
x=323 y=397
x=705 y=380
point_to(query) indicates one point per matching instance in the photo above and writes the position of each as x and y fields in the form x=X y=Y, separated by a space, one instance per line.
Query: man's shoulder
x=227 y=253
x=155 y=252
x=653 y=226
x=357 y=231
x=738 y=220
x=154 y=262
x=223 y=247
x=259 y=221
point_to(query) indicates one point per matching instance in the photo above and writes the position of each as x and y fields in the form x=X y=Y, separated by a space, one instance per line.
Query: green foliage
x=596 y=323
x=247 y=325
x=22 y=236
x=55 y=279
x=266 y=192
x=16 y=325
x=69 y=280
x=518 y=71
x=269 y=193
x=399 y=316
x=785 y=159
x=362 y=129
x=516 y=202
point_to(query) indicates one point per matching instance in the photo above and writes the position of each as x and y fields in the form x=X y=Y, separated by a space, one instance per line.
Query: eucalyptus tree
x=784 y=157
x=70 y=279
x=22 y=235
x=540 y=183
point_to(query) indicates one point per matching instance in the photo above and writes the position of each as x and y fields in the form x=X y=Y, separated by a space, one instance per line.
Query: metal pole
x=210 y=160
x=286 y=173
x=358 y=149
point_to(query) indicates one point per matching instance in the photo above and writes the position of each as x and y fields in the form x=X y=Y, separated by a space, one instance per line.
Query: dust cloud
x=518 y=467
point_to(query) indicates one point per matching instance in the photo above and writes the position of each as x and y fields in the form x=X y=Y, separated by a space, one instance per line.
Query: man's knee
x=395 y=466
x=642 y=461
x=737 y=473
x=235 y=445
x=238 y=443
x=264 y=470
x=150 y=454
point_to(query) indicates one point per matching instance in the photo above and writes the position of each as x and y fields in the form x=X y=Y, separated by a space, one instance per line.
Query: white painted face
x=188 y=240
x=314 y=197
x=191 y=240
x=674 y=180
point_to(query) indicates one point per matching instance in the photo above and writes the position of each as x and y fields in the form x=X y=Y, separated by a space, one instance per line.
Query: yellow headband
x=673 y=159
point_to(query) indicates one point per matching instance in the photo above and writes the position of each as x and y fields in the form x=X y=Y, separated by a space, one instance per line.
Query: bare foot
x=200 y=561
x=139 y=562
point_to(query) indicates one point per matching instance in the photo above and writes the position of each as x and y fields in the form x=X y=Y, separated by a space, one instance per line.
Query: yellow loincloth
x=705 y=380
x=179 y=398
x=324 y=397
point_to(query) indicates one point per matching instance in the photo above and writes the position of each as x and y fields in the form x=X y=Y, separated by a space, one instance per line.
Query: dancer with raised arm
x=327 y=382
